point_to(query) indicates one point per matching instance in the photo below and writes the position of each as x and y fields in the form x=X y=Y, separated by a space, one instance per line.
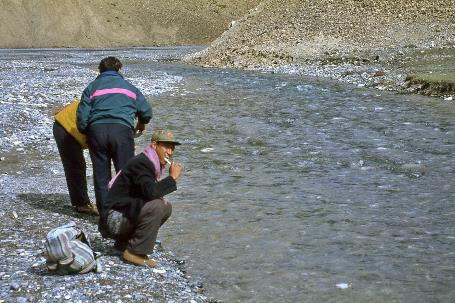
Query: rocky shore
x=25 y=278
x=33 y=200
x=33 y=193
x=385 y=44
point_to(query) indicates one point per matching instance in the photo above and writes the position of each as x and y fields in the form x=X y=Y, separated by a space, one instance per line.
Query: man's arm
x=144 y=110
x=83 y=112
x=149 y=187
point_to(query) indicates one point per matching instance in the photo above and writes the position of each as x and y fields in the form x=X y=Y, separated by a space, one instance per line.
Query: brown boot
x=141 y=260
x=88 y=208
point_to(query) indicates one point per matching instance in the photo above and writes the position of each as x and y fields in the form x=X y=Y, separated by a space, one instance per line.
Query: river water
x=295 y=189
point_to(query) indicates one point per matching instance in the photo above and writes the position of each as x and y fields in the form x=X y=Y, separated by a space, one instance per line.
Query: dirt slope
x=304 y=29
x=115 y=23
x=380 y=43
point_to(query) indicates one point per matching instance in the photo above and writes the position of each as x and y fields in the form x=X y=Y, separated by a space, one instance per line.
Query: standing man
x=135 y=208
x=70 y=143
x=106 y=114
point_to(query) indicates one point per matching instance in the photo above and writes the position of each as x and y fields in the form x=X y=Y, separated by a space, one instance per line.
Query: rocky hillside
x=306 y=30
x=115 y=23
x=391 y=44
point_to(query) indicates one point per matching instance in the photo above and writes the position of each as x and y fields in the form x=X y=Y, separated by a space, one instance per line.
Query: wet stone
x=15 y=286
x=21 y=300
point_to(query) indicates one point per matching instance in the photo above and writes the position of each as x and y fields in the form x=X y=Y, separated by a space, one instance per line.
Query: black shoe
x=120 y=246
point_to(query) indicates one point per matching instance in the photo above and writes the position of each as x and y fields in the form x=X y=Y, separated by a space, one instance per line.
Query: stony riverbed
x=34 y=199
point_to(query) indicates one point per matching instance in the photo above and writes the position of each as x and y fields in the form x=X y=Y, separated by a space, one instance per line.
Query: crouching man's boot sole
x=139 y=260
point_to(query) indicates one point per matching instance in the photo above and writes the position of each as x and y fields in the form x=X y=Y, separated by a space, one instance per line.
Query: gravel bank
x=25 y=219
x=369 y=43
x=33 y=194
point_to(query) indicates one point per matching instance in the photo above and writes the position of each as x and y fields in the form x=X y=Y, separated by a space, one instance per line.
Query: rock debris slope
x=378 y=43
x=274 y=33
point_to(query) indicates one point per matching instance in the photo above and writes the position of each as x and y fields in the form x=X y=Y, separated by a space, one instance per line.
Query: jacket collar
x=110 y=73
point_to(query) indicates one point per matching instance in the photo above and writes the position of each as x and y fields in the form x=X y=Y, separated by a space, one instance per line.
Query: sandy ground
x=115 y=23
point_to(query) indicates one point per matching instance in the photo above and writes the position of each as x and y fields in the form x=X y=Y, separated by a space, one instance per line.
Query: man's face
x=163 y=150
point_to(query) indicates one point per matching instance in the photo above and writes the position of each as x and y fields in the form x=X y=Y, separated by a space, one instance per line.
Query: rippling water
x=299 y=190
x=302 y=190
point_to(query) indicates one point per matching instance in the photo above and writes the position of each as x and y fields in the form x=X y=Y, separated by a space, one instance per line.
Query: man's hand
x=175 y=169
x=140 y=127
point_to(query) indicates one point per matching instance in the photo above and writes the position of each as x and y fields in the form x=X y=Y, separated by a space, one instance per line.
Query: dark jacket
x=134 y=186
x=112 y=99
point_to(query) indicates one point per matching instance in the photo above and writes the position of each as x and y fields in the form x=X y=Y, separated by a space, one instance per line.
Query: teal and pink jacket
x=112 y=99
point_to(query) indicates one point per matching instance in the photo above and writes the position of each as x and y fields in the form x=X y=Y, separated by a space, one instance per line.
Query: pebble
x=138 y=297
x=159 y=271
x=15 y=286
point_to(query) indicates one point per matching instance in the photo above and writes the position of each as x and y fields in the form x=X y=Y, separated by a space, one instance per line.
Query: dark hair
x=110 y=63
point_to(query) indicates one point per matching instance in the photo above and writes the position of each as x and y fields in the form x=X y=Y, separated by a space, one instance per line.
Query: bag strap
x=99 y=266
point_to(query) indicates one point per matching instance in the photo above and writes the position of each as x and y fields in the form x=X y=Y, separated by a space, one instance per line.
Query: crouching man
x=135 y=208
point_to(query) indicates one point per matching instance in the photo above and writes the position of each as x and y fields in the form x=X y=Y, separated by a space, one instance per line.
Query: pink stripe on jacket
x=106 y=91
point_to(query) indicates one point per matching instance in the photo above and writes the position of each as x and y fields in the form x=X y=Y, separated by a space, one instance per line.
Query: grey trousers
x=139 y=237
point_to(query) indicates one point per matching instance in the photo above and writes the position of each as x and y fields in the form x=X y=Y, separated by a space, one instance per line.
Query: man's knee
x=157 y=208
x=167 y=208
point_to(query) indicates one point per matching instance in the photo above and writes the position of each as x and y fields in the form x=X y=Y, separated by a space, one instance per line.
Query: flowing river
x=295 y=189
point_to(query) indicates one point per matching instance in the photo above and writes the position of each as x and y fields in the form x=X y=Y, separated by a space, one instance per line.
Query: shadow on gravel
x=40 y=270
x=56 y=203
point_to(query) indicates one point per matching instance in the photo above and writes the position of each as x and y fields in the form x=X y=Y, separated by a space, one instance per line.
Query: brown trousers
x=139 y=237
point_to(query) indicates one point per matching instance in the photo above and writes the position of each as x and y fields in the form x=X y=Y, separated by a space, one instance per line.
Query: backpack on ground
x=68 y=251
